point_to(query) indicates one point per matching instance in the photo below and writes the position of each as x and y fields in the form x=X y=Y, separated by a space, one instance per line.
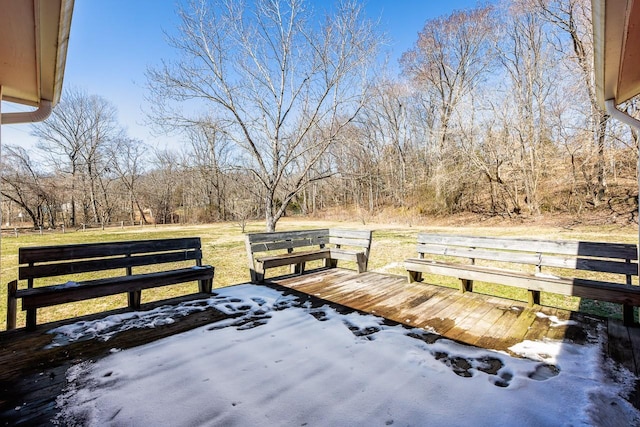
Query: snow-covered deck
x=265 y=355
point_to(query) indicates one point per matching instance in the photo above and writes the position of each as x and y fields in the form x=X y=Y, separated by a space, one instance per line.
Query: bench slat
x=286 y=235
x=60 y=294
x=344 y=254
x=107 y=249
x=289 y=244
x=352 y=234
x=588 y=264
x=594 y=249
x=543 y=260
x=364 y=243
x=293 y=258
x=60 y=269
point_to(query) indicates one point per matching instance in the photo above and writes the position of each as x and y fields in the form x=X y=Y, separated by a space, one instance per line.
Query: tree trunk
x=269 y=217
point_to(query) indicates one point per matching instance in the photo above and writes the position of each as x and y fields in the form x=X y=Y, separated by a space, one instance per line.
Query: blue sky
x=113 y=42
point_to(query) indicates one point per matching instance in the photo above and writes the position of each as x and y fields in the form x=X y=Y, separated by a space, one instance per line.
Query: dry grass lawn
x=223 y=247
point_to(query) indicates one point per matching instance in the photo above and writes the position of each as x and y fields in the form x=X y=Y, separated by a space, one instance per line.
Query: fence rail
x=8 y=231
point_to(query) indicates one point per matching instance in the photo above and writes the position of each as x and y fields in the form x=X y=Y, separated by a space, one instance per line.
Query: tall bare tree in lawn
x=282 y=82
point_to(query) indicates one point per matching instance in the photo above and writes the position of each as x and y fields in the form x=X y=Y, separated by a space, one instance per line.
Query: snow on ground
x=285 y=362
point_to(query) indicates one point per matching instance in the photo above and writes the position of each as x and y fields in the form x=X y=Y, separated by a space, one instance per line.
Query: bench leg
x=258 y=274
x=361 y=259
x=330 y=263
x=205 y=286
x=298 y=268
x=12 y=305
x=628 y=317
x=466 y=285
x=533 y=298
x=134 y=299
x=31 y=319
x=414 y=276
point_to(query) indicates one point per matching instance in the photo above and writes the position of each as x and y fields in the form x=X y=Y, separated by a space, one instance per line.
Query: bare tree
x=127 y=158
x=450 y=58
x=529 y=62
x=74 y=137
x=573 y=19
x=29 y=188
x=162 y=187
x=283 y=85
x=384 y=123
x=210 y=160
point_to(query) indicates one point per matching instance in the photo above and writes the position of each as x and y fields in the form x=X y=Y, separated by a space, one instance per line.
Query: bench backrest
x=290 y=240
x=49 y=261
x=355 y=238
x=615 y=258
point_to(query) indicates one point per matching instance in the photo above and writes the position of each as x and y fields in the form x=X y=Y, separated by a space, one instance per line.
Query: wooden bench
x=295 y=248
x=50 y=261
x=614 y=263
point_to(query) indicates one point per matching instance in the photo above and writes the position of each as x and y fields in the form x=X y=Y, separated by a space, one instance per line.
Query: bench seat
x=593 y=289
x=46 y=296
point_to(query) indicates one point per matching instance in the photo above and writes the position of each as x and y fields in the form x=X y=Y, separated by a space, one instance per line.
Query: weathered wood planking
x=565 y=247
x=459 y=256
x=475 y=319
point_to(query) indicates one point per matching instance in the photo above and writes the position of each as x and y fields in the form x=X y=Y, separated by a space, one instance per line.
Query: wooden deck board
x=447 y=318
x=486 y=324
x=541 y=327
x=618 y=336
x=462 y=331
x=471 y=318
x=495 y=337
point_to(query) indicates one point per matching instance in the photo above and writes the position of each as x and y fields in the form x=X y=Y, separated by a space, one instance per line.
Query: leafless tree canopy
x=281 y=84
x=286 y=109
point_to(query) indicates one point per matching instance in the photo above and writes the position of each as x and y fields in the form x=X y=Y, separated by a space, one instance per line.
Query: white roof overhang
x=34 y=36
x=616 y=29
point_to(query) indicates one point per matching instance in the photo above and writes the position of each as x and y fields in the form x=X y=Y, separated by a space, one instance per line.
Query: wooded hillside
x=492 y=111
